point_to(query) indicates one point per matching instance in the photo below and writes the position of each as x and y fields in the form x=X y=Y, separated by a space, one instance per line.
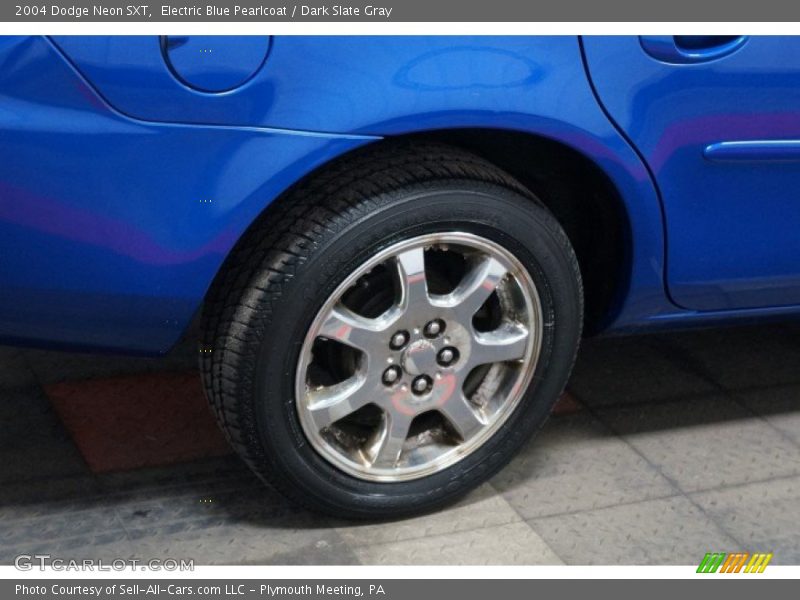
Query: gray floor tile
x=63 y=548
x=192 y=497
x=588 y=495
x=299 y=540
x=38 y=497
x=200 y=477
x=481 y=509
x=763 y=517
x=654 y=532
x=37 y=448
x=14 y=370
x=705 y=443
x=257 y=506
x=54 y=367
x=630 y=370
x=510 y=544
x=575 y=463
x=741 y=357
x=47 y=496
x=24 y=403
x=780 y=406
x=57 y=530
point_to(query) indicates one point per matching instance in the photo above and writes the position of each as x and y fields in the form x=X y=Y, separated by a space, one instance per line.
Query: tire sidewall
x=519 y=224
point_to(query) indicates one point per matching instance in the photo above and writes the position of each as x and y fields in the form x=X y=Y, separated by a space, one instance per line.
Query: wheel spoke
x=386 y=450
x=462 y=416
x=345 y=326
x=413 y=283
x=507 y=343
x=475 y=288
x=329 y=404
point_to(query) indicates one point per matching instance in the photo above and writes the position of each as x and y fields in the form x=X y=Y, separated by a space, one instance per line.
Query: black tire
x=262 y=303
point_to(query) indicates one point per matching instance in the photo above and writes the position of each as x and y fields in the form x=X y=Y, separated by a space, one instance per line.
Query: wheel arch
x=582 y=197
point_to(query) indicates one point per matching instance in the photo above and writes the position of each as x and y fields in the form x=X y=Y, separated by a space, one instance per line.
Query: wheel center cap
x=419 y=358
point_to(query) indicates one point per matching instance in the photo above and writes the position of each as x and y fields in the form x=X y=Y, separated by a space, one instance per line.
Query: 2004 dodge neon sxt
x=393 y=244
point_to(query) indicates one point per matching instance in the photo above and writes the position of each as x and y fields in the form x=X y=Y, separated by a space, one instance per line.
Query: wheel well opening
x=574 y=189
x=580 y=196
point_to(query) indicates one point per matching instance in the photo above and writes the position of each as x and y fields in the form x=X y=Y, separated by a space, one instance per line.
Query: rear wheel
x=394 y=333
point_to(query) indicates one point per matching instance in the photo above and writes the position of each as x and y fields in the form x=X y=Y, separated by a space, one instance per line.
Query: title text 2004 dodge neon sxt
x=393 y=244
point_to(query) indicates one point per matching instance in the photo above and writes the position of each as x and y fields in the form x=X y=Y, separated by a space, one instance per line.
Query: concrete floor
x=680 y=444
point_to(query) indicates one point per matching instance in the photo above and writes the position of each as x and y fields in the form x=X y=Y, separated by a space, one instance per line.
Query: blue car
x=393 y=245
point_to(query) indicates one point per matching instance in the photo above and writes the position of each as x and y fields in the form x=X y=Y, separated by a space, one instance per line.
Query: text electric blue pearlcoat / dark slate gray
x=131 y=166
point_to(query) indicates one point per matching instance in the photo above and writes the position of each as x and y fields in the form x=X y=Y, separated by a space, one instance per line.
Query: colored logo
x=737 y=562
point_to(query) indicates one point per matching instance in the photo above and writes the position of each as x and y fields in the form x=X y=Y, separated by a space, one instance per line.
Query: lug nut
x=391 y=375
x=421 y=384
x=434 y=328
x=447 y=356
x=399 y=340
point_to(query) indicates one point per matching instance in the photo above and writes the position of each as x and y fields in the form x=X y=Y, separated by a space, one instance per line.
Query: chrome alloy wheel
x=418 y=357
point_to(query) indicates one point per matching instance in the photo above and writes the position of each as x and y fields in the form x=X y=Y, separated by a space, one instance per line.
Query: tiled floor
x=681 y=444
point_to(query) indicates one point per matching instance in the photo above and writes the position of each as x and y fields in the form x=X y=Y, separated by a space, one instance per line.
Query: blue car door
x=717 y=120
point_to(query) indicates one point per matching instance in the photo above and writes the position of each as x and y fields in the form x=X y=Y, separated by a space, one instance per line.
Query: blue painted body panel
x=722 y=139
x=112 y=229
x=122 y=189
